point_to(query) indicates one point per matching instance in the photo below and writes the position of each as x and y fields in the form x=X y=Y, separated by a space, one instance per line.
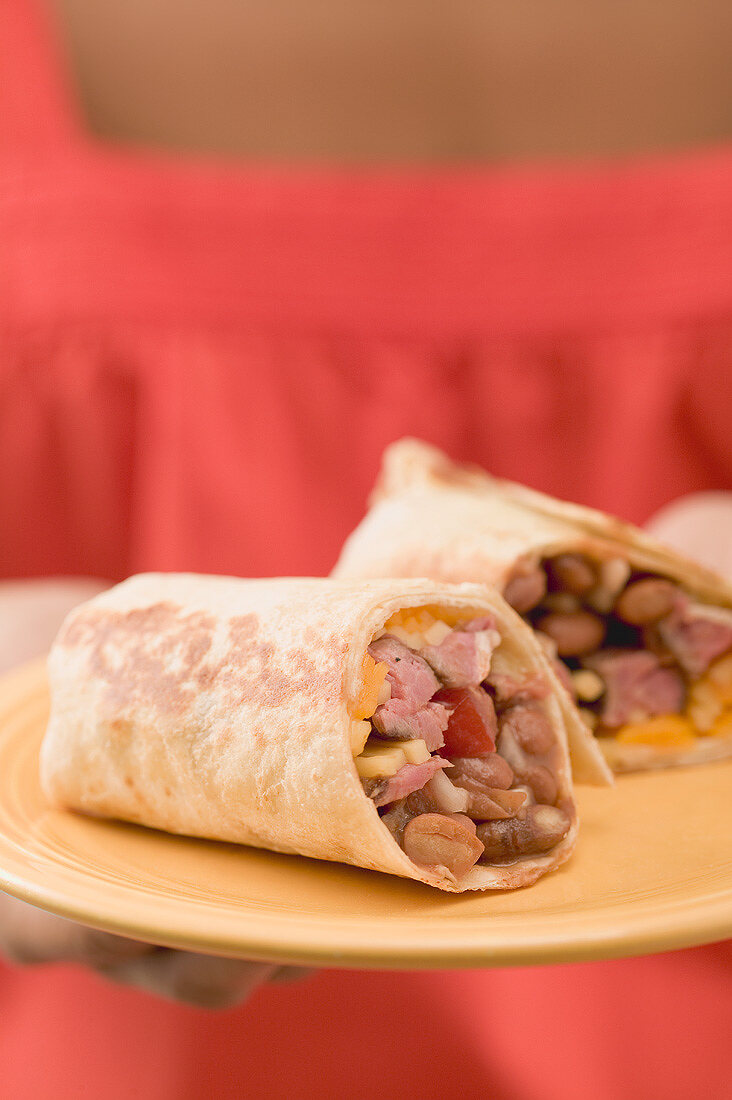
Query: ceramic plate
x=652 y=871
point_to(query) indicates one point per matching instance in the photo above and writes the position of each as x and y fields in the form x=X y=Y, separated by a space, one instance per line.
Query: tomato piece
x=473 y=726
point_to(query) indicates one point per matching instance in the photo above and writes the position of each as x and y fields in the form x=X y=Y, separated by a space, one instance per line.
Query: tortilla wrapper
x=433 y=518
x=218 y=707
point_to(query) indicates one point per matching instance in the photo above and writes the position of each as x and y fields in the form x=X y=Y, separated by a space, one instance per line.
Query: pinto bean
x=490 y=803
x=530 y=726
x=575 y=633
x=614 y=574
x=646 y=601
x=654 y=643
x=463 y=819
x=539 y=779
x=537 y=829
x=492 y=771
x=396 y=819
x=509 y=748
x=561 y=601
x=530 y=799
x=542 y=782
x=525 y=589
x=435 y=840
x=572 y=573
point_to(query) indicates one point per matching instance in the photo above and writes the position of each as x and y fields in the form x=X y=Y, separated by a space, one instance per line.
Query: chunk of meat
x=536 y=829
x=463 y=658
x=472 y=724
x=525 y=589
x=409 y=712
x=508 y=689
x=492 y=771
x=530 y=726
x=409 y=675
x=484 y=622
x=396 y=719
x=441 y=843
x=636 y=686
x=409 y=778
x=696 y=634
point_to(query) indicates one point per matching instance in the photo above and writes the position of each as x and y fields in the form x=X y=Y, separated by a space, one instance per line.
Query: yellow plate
x=652 y=871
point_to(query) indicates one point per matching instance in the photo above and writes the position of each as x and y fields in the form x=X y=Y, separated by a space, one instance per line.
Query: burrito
x=403 y=726
x=640 y=637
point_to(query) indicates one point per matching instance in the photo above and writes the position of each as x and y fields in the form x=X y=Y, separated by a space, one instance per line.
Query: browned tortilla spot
x=144 y=641
x=255 y=673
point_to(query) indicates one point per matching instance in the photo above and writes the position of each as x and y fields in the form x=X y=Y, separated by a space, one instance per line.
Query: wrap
x=430 y=517
x=223 y=708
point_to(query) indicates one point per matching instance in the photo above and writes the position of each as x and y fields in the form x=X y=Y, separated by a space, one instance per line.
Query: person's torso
x=200 y=364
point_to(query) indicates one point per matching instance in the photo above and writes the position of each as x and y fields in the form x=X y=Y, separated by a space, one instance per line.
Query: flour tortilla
x=433 y=518
x=219 y=707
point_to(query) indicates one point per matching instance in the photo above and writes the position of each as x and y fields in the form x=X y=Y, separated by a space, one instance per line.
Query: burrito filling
x=646 y=662
x=459 y=758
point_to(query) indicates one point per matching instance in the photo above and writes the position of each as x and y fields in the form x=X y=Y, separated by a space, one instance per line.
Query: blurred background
x=243 y=246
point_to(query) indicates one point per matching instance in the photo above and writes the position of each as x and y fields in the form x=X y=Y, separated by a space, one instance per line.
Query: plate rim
x=653 y=929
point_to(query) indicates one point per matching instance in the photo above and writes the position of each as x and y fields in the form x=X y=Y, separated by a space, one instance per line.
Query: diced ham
x=485 y=622
x=409 y=713
x=507 y=689
x=395 y=719
x=463 y=658
x=409 y=675
x=409 y=778
x=696 y=634
x=636 y=686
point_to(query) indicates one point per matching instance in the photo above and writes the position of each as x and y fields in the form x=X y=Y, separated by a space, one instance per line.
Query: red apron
x=200 y=364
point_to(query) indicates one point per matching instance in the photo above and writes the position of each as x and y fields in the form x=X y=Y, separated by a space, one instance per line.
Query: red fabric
x=199 y=367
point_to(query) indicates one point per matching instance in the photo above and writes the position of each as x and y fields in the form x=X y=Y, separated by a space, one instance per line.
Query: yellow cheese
x=723 y=726
x=384 y=692
x=436 y=633
x=373 y=675
x=415 y=752
x=409 y=638
x=360 y=731
x=587 y=684
x=665 y=731
x=380 y=760
x=720 y=677
x=704 y=706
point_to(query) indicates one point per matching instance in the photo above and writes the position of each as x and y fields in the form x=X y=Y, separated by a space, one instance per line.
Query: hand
x=31 y=611
x=700 y=526
x=30 y=614
x=31 y=937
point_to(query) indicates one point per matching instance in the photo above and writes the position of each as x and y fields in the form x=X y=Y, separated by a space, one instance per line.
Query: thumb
x=203 y=981
x=700 y=526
